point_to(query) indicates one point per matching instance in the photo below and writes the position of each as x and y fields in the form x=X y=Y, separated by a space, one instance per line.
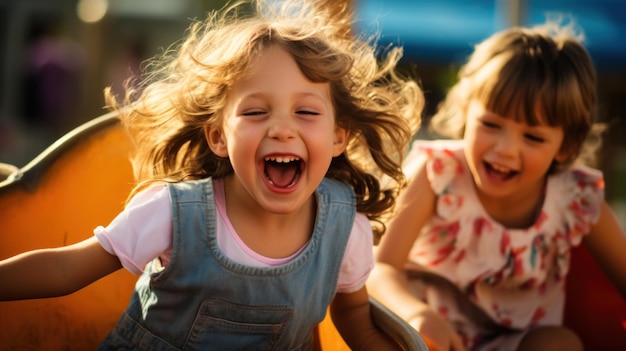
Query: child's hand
x=437 y=332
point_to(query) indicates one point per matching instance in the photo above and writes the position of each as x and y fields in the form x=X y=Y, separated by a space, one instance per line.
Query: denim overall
x=204 y=301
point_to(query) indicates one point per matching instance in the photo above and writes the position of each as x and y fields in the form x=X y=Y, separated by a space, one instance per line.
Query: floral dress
x=497 y=282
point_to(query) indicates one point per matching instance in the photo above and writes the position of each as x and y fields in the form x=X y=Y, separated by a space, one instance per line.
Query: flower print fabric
x=515 y=276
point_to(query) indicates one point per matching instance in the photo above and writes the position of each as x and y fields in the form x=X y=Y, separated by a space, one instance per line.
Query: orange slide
x=81 y=181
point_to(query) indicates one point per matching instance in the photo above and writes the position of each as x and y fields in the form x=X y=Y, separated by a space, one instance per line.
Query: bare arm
x=388 y=282
x=55 y=272
x=607 y=244
x=352 y=317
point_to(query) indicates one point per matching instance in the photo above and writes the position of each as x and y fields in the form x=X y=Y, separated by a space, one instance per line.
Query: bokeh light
x=91 y=11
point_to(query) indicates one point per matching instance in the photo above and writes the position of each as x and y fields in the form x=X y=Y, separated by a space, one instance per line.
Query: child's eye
x=307 y=112
x=253 y=113
x=490 y=124
x=534 y=138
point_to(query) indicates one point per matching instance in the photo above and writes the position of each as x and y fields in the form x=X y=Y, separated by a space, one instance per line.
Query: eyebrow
x=298 y=94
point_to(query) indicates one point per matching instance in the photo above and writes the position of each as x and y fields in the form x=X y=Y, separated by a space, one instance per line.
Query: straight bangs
x=518 y=91
x=537 y=89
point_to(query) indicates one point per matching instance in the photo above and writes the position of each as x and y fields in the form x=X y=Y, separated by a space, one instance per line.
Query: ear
x=216 y=140
x=340 y=141
x=563 y=156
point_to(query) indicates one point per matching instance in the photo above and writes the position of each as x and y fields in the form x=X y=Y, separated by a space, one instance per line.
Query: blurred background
x=56 y=57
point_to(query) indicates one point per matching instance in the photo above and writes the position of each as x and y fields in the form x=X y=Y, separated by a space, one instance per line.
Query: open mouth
x=499 y=173
x=283 y=172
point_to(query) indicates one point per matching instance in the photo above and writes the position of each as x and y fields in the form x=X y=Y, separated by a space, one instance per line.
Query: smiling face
x=279 y=132
x=508 y=158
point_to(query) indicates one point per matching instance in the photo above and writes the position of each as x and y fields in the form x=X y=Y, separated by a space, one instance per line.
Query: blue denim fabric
x=204 y=301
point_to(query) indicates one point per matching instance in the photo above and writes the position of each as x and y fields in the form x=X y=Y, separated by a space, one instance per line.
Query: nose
x=507 y=144
x=283 y=126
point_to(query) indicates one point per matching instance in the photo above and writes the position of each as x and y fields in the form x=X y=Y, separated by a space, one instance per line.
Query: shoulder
x=584 y=174
x=578 y=180
x=438 y=152
x=155 y=193
x=190 y=190
x=147 y=202
x=441 y=161
x=189 y=184
x=432 y=146
x=578 y=192
x=335 y=190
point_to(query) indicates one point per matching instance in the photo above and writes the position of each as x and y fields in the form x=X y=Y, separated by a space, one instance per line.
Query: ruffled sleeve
x=442 y=161
x=441 y=243
x=582 y=191
x=443 y=166
x=583 y=194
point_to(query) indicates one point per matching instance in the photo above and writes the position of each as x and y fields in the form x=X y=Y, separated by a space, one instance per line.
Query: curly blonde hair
x=537 y=74
x=187 y=88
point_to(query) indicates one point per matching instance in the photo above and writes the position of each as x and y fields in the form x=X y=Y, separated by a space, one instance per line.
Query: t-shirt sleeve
x=142 y=231
x=358 y=260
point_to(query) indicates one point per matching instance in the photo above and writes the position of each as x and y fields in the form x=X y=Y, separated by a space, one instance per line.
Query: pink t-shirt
x=143 y=232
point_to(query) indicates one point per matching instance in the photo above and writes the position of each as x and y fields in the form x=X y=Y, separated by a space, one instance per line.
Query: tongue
x=501 y=176
x=281 y=174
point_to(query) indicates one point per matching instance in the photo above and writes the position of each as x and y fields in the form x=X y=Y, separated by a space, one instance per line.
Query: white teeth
x=284 y=159
x=500 y=168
